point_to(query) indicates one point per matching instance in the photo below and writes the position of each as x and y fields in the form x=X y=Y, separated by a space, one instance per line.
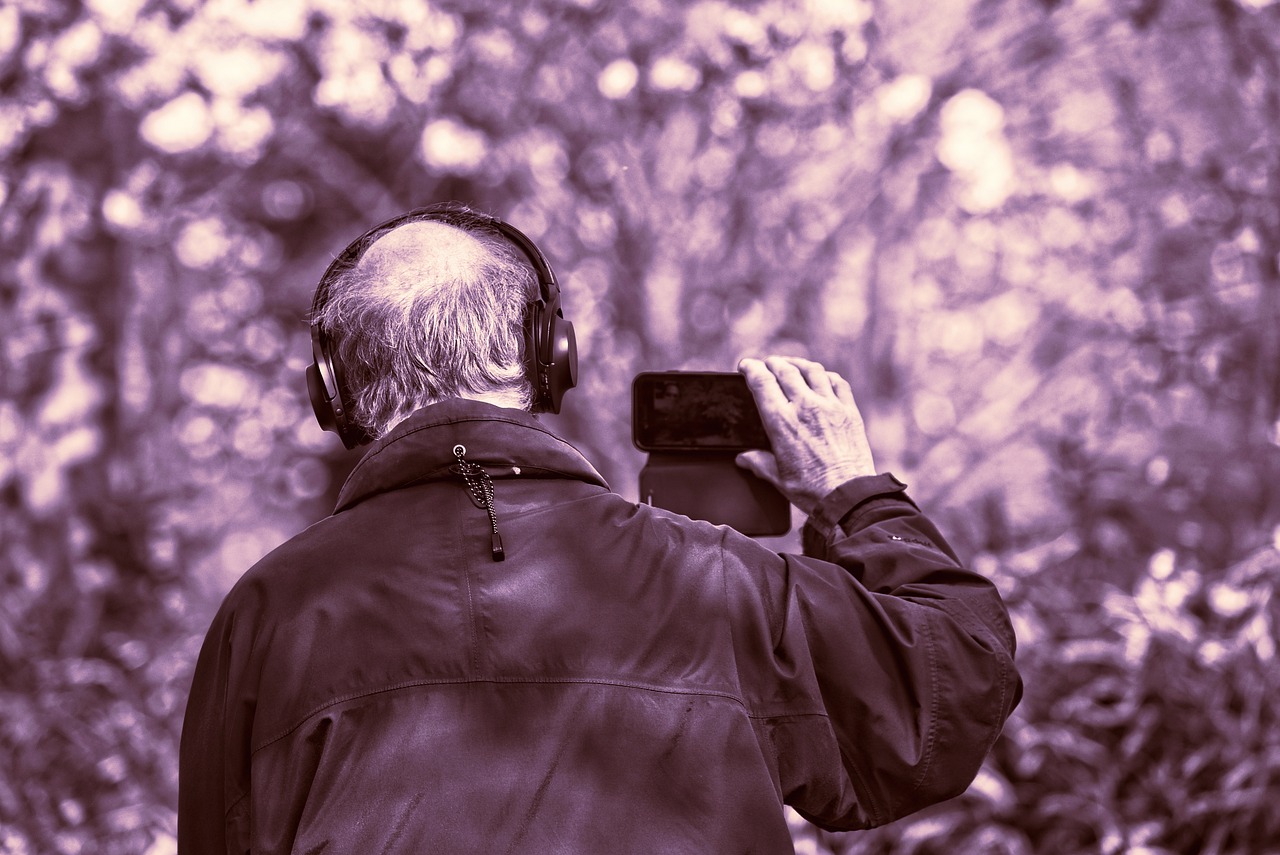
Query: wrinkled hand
x=818 y=437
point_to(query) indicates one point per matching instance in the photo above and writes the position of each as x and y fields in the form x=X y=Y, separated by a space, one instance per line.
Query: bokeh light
x=183 y=124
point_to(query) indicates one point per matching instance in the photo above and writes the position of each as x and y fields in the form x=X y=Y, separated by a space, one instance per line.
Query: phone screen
x=695 y=411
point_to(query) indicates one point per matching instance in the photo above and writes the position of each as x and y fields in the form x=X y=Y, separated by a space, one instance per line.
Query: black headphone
x=551 y=349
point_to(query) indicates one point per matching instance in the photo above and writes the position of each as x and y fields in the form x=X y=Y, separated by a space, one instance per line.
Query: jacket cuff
x=849 y=496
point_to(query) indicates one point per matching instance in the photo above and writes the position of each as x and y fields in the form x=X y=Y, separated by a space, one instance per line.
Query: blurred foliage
x=1040 y=237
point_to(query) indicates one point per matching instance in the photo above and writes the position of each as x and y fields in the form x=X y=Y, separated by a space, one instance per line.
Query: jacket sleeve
x=890 y=672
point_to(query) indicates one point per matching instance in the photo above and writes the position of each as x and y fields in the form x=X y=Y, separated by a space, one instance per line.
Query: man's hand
x=819 y=441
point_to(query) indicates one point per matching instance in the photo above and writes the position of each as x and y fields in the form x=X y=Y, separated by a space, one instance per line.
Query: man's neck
x=498 y=399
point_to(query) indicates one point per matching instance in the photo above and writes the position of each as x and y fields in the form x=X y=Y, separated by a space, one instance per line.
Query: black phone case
x=712 y=487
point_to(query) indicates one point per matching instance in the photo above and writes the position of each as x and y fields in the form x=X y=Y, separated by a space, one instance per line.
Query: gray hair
x=414 y=326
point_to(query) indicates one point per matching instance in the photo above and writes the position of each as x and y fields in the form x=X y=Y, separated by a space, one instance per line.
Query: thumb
x=762 y=464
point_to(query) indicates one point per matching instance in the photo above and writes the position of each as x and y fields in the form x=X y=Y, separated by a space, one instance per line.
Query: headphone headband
x=551 y=358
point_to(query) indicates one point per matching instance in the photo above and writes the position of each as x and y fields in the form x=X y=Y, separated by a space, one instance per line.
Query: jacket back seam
x=452 y=681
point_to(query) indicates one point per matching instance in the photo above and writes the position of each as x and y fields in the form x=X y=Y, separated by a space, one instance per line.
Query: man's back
x=623 y=681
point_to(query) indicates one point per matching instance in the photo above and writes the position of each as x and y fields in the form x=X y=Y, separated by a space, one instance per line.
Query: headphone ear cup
x=563 y=371
x=324 y=387
x=320 y=403
x=553 y=360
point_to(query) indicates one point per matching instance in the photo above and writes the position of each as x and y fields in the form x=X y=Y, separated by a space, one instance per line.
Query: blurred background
x=1039 y=237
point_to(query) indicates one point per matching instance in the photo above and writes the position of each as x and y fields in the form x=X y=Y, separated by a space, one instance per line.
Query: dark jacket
x=627 y=680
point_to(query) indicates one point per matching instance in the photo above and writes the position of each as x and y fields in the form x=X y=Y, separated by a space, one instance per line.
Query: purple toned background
x=1039 y=237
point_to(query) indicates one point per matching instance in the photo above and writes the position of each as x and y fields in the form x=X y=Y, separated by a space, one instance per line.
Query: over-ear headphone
x=551 y=350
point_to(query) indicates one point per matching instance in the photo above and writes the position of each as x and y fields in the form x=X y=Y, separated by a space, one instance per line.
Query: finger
x=764 y=386
x=843 y=391
x=762 y=464
x=790 y=379
x=815 y=375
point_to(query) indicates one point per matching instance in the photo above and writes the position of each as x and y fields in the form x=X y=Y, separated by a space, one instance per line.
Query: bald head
x=432 y=252
x=430 y=311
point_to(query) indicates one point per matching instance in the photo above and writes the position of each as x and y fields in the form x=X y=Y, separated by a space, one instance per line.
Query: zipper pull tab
x=481 y=487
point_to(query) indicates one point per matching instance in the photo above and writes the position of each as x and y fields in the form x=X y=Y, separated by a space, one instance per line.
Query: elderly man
x=486 y=650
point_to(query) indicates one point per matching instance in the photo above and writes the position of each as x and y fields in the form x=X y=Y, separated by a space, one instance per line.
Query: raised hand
x=818 y=437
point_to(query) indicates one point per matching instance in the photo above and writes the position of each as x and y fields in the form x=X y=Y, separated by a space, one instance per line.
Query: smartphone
x=694 y=411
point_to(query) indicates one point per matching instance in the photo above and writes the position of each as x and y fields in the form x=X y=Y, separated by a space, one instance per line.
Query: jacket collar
x=502 y=440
